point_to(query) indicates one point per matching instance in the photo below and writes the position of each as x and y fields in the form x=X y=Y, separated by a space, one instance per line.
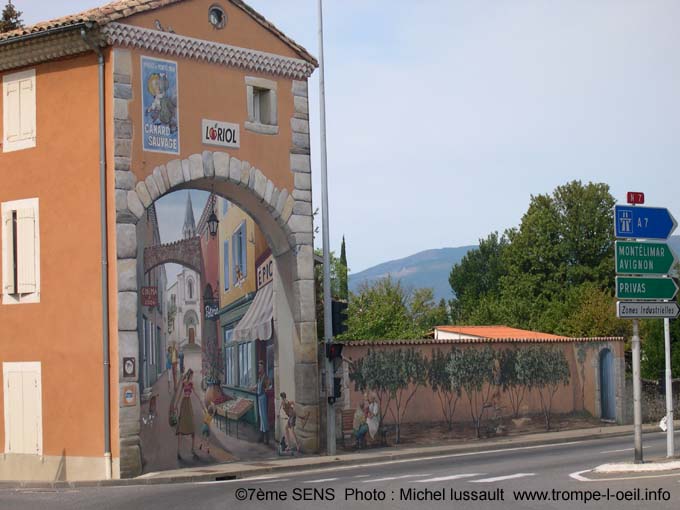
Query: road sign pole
x=637 y=392
x=670 y=441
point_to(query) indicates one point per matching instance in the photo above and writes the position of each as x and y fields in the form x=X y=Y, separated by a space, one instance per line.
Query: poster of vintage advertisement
x=160 y=109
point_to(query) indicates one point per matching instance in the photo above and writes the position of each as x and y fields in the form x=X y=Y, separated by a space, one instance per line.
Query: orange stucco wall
x=215 y=92
x=63 y=331
x=425 y=406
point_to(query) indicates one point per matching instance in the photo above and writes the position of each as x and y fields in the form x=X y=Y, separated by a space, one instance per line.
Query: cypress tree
x=11 y=18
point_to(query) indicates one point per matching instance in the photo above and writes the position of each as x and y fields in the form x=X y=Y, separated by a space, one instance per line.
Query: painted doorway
x=607 y=388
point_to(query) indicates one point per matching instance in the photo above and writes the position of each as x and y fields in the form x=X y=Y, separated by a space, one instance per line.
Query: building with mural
x=105 y=112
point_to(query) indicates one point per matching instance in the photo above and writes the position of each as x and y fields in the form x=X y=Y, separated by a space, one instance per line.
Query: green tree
x=343 y=281
x=336 y=271
x=545 y=369
x=477 y=275
x=653 y=359
x=373 y=372
x=446 y=387
x=425 y=314
x=11 y=18
x=380 y=311
x=475 y=369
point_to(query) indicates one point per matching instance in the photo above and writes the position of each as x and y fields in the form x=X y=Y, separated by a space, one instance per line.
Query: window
x=238 y=254
x=217 y=17
x=159 y=365
x=20 y=252
x=245 y=364
x=190 y=289
x=19 y=125
x=226 y=264
x=23 y=407
x=229 y=358
x=225 y=206
x=262 y=106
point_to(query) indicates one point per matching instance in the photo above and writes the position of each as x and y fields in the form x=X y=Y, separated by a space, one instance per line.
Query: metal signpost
x=649 y=288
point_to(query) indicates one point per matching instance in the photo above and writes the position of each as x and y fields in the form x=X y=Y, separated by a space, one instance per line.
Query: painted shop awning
x=256 y=324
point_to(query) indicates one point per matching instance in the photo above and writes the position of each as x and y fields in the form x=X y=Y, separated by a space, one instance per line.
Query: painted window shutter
x=12 y=105
x=234 y=255
x=26 y=255
x=226 y=265
x=244 y=246
x=8 y=263
x=27 y=106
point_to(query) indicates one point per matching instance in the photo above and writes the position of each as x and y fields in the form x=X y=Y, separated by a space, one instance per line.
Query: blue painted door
x=607 y=389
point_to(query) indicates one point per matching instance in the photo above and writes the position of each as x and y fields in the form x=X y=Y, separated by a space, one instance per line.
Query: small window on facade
x=19 y=106
x=217 y=17
x=262 y=106
x=20 y=252
x=225 y=206
x=190 y=289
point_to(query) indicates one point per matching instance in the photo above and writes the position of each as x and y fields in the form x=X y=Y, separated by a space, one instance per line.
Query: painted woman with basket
x=185 y=420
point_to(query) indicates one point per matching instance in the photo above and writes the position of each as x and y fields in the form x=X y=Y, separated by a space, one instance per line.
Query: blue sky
x=444 y=117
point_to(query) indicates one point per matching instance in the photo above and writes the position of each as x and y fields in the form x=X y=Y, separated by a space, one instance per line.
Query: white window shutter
x=8 y=252
x=12 y=107
x=27 y=106
x=26 y=253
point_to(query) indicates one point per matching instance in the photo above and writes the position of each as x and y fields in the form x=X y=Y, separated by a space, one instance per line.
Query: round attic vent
x=217 y=17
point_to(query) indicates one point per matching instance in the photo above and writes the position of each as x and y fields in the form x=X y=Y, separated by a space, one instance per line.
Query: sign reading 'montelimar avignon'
x=160 y=112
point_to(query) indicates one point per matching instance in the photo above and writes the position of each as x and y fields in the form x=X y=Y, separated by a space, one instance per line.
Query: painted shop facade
x=104 y=112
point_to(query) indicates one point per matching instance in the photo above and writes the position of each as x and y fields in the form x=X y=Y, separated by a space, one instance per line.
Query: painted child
x=208 y=415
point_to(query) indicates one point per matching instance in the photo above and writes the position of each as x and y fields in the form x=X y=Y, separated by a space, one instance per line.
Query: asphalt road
x=558 y=472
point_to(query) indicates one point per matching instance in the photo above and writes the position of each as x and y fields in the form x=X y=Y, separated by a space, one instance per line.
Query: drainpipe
x=105 y=251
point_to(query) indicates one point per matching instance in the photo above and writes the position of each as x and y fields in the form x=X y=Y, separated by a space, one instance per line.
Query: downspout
x=105 y=251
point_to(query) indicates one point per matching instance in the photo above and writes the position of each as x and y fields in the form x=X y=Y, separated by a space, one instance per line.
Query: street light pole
x=637 y=392
x=327 y=317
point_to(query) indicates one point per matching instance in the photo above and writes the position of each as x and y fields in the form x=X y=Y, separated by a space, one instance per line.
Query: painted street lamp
x=212 y=224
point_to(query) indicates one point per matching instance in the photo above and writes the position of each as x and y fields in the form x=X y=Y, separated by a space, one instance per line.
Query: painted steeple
x=189 y=228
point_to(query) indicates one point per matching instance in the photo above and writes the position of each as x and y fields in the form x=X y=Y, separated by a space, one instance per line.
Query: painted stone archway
x=283 y=215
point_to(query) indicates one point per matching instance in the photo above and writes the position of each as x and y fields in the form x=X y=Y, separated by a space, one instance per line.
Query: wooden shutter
x=23 y=408
x=226 y=264
x=8 y=252
x=26 y=252
x=27 y=107
x=12 y=106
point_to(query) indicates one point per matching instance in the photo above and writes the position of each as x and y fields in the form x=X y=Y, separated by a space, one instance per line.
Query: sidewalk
x=245 y=469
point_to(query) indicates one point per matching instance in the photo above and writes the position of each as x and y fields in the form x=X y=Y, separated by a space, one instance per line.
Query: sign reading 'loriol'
x=643 y=258
x=645 y=288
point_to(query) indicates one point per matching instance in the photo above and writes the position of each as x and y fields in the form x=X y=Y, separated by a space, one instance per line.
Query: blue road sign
x=643 y=222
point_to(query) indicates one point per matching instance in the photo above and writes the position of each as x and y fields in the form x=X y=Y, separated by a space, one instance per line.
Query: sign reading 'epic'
x=160 y=109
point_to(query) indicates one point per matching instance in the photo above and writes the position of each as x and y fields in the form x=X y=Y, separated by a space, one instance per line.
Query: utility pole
x=637 y=392
x=327 y=310
x=670 y=440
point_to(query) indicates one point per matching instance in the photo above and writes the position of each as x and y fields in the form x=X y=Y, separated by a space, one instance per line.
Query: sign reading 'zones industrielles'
x=643 y=258
x=647 y=310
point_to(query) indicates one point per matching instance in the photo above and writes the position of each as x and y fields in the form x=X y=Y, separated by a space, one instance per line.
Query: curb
x=386 y=456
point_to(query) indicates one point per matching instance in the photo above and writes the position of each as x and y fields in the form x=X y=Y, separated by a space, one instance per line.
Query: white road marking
x=616 y=451
x=361 y=476
x=399 y=477
x=320 y=480
x=451 y=477
x=577 y=475
x=501 y=478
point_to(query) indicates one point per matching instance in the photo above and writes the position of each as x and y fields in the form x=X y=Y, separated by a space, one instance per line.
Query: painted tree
x=446 y=387
x=476 y=371
x=371 y=373
x=512 y=378
x=406 y=373
x=11 y=18
x=546 y=369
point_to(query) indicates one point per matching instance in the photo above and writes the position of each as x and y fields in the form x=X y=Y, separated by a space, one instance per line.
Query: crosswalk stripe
x=387 y=478
x=500 y=478
x=320 y=480
x=451 y=477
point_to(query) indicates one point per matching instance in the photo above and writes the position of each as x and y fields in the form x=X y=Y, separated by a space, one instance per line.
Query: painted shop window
x=262 y=106
x=20 y=252
x=238 y=255
x=225 y=249
x=229 y=358
x=245 y=364
x=22 y=384
x=19 y=105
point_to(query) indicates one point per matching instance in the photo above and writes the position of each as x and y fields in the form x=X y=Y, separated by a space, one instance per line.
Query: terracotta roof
x=480 y=340
x=120 y=9
x=500 y=332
